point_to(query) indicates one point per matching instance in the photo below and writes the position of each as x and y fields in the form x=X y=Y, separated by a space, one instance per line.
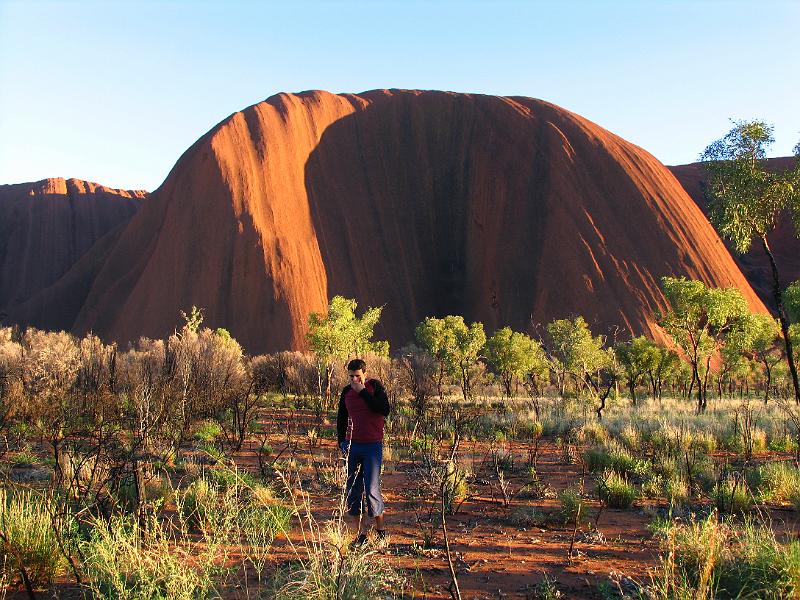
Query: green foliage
x=791 y=299
x=571 y=505
x=732 y=495
x=513 y=355
x=123 y=561
x=455 y=345
x=574 y=346
x=711 y=559
x=636 y=358
x=778 y=481
x=26 y=522
x=207 y=431
x=745 y=198
x=193 y=320
x=701 y=320
x=614 y=490
x=340 y=334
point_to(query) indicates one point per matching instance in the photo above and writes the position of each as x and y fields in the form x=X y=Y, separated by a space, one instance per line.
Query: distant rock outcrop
x=46 y=227
x=783 y=240
x=506 y=210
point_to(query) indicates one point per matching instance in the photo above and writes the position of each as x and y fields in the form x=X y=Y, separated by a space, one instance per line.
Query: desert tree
x=456 y=346
x=634 y=357
x=574 y=352
x=512 y=356
x=339 y=334
x=746 y=199
x=763 y=332
x=662 y=365
x=700 y=320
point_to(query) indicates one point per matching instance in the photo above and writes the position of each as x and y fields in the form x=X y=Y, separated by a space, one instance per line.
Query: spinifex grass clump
x=733 y=495
x=124 y=561
x=615 y=490
x=30 y=537
x=778 y=482
x=571 y=506
x=330 y=570
x=711 y=559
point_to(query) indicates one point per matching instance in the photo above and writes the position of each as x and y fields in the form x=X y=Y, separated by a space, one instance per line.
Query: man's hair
x=356 y=364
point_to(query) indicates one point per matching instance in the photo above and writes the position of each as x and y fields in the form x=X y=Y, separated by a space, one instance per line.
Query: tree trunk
x=778 y=296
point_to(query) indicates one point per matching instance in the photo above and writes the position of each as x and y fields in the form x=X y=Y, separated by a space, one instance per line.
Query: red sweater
x=361 y=415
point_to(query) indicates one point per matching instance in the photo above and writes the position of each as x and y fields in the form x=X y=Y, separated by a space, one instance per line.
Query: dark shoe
x=359 y=542
x=382 y=538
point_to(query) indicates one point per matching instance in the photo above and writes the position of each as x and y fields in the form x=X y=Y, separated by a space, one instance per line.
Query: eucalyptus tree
x=514 y=355
x=455 y=346
x=339 y=334
x=700 y=321
x=574 y=351
x=634 y=358
x=746 y=199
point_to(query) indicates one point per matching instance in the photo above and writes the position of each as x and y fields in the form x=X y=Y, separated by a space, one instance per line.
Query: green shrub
x=25 y=520
x=778 y=481
x=454 y=485
x=25 y=458
x=571 y=505
x=123 y=562
x=615 y=490
x=207 y=431
x=592 y=432
x=597 y=458
x=732 y=495
x=710 y=559
x=704 y=442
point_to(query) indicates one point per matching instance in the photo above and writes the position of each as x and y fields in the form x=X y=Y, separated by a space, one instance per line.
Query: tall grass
x=712 y=559
x=30 y=536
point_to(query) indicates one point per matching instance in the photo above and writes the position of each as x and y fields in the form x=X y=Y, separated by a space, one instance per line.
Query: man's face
x=357 y=376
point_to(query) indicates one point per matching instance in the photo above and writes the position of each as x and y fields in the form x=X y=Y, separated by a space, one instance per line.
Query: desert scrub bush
x=453 y=485
x=259 y=525
x=122 y=561
x=592 y=432
x=712 y=559
x=30 y=536
x=614 y=490
x=703 y=441
x=630 y=438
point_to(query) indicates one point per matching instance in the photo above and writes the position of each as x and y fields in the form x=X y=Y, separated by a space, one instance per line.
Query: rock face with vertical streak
x=48 y=226
x=507 y=210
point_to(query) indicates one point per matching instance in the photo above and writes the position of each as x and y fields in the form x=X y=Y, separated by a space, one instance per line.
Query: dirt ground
x=495 y=555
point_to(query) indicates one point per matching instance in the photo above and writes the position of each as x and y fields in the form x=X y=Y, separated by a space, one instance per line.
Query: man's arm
x=341 y=418
x=377 y=402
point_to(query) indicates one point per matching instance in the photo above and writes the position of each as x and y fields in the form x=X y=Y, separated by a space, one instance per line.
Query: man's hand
x=357 y=385
x=344 y=446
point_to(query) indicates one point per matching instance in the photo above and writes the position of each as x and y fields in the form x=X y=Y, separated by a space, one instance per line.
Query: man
x=363 y=407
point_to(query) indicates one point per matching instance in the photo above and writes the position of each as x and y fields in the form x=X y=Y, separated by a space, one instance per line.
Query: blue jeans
x=364 y=478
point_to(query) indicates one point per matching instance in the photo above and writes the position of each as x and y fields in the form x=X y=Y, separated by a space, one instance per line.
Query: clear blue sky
x=115 y=91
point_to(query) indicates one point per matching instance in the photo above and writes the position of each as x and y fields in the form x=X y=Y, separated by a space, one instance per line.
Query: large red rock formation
x=783 y=240
x=47 y=226
x=506 y=210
